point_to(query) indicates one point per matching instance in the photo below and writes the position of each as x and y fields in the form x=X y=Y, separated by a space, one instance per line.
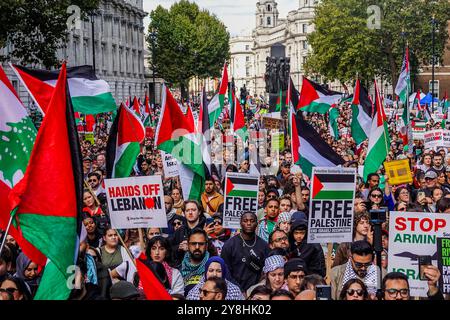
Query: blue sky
x=238 y=16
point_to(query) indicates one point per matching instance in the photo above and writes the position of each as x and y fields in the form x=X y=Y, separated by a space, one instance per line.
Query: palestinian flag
x=333 y=186
x=136 y=107
x=279 y=104
x=47 y=201
x=239 y=126
x=125 y=137
x=445 y=104
x=315 y=98
x=333 y=124
x=153 y=288
x=90 y=95
x=362 y=109
x=17 y=136
x=147 y=113
x=241 y=187
x=313 y=151
x=176 y=134
x=404 y=82
x=217 y=103
x=379 y=142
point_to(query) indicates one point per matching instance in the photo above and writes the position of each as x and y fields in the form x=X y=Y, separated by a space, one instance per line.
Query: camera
x=378 y=216
x=423 y=262
x=323 y=292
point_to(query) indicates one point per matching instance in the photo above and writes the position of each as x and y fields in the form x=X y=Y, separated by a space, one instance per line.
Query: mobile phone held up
x=323 y=292
x=423 y=262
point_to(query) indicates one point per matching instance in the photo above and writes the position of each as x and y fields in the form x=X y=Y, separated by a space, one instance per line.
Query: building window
x=269 y=21
x=305 y=44
x=436 y=88
x=269 y=8
x=247 y=72
x=261 y=21
x=247 y=47
x=306 y=3
x=304 y=60
x=247 y=58
x=305 y=28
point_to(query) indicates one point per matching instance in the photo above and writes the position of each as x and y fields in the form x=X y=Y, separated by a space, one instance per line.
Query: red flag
x=153 y=288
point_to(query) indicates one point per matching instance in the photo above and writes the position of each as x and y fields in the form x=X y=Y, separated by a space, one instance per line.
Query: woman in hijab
x=27 y=271
x=216 y=267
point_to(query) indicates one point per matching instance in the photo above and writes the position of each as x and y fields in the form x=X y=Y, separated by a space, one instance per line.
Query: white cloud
x=238 y=17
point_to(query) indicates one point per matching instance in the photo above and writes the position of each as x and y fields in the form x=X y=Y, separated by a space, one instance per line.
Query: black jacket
x=182 y=234
x=312 y=254
x=235 y=255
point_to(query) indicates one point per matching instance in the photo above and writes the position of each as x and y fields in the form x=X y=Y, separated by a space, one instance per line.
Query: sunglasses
x=92 y=180
x=217 y=223
x=9 y=290
x=178 y=223
x=206 y=292
x=359 y=265
x=376 y=195
x=359 y=292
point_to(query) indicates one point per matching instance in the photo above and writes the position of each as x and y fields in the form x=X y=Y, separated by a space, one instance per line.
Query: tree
x=343 y=46
x=35 y=29
x=189 y=42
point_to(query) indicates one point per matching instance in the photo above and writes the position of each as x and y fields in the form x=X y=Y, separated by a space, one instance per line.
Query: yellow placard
x=398 y=172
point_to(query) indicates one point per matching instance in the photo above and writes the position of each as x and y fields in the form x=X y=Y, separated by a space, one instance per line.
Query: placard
x=331 y=205
x=241 y=195
x=443 y=250
x=277 y=141
x=272 y=123
x=398 y=171
x=136 y=202
x=170 y=165
x=437 y=138
x=412 y=234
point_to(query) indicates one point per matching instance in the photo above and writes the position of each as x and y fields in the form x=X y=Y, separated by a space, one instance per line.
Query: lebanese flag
x=315 y=98
x=47 y=201
x=153 y=288
x=126 y=135
x=18 y=136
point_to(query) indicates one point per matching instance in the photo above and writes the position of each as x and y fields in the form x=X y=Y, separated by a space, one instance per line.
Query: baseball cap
x=430 y=175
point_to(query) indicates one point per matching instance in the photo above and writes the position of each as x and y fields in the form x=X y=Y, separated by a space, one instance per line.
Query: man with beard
x=211 y=199
x=94 y=180
x=245 y=253
x=359 y=266
x=193 y=264
x=170 y=214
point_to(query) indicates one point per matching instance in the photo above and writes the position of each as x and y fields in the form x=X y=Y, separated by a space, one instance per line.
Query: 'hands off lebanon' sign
x=241 y=195
x=411 y=235
x=331 y=205
x=136 y=202
x=437 y=138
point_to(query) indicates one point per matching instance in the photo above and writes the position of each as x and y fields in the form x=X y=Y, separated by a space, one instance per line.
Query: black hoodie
x=311 y=253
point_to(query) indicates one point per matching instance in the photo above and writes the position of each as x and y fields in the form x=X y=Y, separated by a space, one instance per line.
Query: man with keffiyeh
x=194 y=261
x=359 y=266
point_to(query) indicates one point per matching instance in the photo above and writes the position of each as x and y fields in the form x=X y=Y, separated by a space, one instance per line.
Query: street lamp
x=433 y=60
x=92 y=14
x=153 y=35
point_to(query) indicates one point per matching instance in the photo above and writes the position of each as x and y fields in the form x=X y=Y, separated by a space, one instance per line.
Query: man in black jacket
x=245 y=253
x=194 y=218
x=312 y=254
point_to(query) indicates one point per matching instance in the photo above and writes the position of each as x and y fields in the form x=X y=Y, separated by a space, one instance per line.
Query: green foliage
x=35 y=29
x=189 y=42
x=344 y=47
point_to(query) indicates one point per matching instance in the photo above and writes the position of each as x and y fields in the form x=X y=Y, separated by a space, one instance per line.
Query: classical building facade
x=119 y=49
x=248 y=62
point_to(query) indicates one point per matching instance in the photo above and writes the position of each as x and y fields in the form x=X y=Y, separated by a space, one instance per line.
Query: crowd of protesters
x=268 y=257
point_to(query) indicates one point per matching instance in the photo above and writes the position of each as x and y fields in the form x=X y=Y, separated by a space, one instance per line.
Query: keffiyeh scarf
x=189 y=270
x=370 y=280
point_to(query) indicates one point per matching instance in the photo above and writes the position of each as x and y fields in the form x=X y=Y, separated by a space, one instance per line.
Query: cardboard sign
x=241 y=195
x=170 y=165
x=136 y=202
x=331 y=205
x=277 y=141
x=412 y=234
x=418 y=130
x=272 y=123
x=443 y=249
x=398 y=172
x=437 y=138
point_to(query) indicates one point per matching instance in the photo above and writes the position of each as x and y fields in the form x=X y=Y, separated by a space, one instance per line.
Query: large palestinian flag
x=315 y=98
x=291 y=102
x=47 y=201
x=241 y=187
x=125 y=137
x=403 y=86
x=362 y=109
x=313 y=151
x=333 y=187
x=176 y=134
x=379 y=142
x=217 y=103
x=90 y=95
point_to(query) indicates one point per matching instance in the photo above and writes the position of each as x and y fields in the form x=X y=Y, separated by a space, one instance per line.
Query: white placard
x=170 y=165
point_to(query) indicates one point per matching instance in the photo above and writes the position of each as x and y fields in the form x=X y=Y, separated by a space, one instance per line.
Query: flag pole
x=6 y=233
